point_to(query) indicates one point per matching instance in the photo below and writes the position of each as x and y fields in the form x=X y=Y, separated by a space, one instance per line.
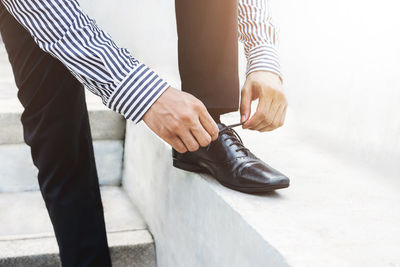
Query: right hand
x=181 y=120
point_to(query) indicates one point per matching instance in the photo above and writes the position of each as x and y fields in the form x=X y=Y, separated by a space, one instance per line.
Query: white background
x=341 y=65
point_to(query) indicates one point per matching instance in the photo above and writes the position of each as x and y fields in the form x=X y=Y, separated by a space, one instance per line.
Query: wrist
x=265 y=74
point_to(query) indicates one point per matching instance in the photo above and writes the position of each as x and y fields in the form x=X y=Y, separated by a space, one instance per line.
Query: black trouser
x=56 y=126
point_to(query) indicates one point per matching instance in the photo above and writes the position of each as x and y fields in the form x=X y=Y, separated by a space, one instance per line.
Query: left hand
x=271 y=110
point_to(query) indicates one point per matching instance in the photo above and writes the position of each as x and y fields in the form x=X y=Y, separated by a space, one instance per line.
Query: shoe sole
x=252 y=190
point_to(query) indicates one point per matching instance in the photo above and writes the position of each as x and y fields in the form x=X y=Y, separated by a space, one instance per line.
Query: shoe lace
x=232 y=135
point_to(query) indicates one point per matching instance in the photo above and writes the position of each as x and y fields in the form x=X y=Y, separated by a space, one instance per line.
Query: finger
x=284 y=115
x=245 y=104
x=177 y=144
x=201 y=135
x=276 y=122
x=259 y=116
x=209 y=124
x=189 y=141
x=269 y=116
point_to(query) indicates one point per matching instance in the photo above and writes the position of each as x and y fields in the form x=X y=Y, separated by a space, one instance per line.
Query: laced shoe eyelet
x=236 y=140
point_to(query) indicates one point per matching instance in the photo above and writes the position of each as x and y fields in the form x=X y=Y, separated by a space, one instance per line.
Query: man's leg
x=208 y=52
x=56 y=127
x=208 y=38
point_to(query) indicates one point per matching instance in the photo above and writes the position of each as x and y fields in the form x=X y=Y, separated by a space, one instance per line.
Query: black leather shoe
x=232 y=164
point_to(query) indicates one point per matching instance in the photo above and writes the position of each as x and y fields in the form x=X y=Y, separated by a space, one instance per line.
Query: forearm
x=259 y=36
x=63 y=30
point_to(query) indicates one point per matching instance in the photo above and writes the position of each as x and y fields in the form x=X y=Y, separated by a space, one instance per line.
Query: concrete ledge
x=192 y=224
x=17 y=172
x=336 y=212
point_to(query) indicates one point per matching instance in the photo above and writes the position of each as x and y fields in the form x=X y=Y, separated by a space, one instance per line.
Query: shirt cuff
x=263 y=58
x=136 y=93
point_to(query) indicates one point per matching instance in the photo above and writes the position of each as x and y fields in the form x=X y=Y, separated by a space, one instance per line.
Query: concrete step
x=31 y=242
x=337 y=212
x=105 y=124
x=17 y=172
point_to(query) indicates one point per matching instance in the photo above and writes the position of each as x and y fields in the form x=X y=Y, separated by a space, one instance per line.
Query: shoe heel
x=188 y=166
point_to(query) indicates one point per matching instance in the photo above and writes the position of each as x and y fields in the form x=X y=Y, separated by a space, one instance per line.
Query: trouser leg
x=56 y=127
x=208 y=51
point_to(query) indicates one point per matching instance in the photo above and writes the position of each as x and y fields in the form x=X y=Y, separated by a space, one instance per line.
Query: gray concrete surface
x=120 y=214
x=127 y=249
x=17 y=172
x=335 y=213
x=31 y=242
x=105 y=124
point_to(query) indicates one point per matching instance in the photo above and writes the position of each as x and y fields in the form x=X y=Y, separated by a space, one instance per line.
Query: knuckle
x=167 y=134
x=203 y=143
x=215 y=133
x=185 y=117
x=214 y=137
x=207 y=141
x=279 y=93
x=196 y=106
x=199 y=105
x=181 y=149
x=174 y=127
x=281 y=96
x=193 y=147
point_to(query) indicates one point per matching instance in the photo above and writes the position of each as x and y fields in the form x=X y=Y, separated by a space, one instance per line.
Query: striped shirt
x=126 y=85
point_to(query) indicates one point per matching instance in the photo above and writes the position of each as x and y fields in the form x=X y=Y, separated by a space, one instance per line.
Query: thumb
x=245 y=104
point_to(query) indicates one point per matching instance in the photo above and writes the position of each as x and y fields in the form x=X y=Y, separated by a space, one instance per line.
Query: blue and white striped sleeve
x=63 y=30
x=259 y=35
